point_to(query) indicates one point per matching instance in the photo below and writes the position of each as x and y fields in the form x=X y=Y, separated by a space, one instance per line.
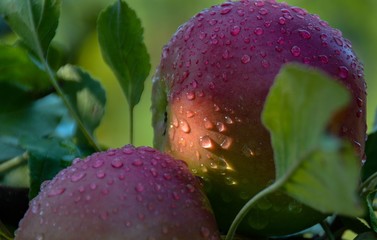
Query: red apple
x=210 y=89
x=127 y=193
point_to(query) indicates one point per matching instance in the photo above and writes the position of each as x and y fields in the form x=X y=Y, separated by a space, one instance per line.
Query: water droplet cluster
x=107 y=193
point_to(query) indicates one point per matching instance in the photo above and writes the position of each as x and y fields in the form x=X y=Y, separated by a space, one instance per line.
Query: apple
x=209 y=91
x=126 y=193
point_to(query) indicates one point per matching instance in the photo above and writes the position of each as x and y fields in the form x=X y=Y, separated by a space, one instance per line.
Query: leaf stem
x=12 y=163
x=327 y=230
x=247 y=207
x=71 y=110
x=370 y=180
x=131 y=114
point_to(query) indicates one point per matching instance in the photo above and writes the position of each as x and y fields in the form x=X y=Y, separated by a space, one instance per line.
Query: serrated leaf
x=313 y=168
x=121 y=40
x=299 y=106
x=327 y=179
x=17 y=68
x=44 y=165
x=35 y=21
x=85 y=94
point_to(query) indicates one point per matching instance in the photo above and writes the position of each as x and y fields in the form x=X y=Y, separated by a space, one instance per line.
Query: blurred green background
x=160 y=19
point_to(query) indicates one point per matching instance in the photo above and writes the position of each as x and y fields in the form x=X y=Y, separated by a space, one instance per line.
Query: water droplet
x=296 y=51
x=97 y=163
x=227 y=142
x=263 y=11
x=265 y=63
x=304 y=34
x=184 y=76
x=338 y=41
x=264 y=204
x=185 y=127
x=190 y=95
x=208 y=124
x=216 y=107
x=225 y=10
x=40 y=236
x=93 y=186
x=204 y=232
x=139 y=187
x=282 y=20
x=235 y=30
x=212 y=22
x=116 y=163
x=101 y=174
x=359 y=113
x=78 y=176
x=360 y=102
x=128 y=150
x=228 y=120
x=55 y=192
x=190 y=188
x=226 y=54
x=206 y=142
x=245 y=59
x=258 y=31
x=167 y=176
x=343 y=72
x=259 y=3
x=220 y=127
x=241 y=12
x=190 y=114
x=323 y=58
x=137 y=163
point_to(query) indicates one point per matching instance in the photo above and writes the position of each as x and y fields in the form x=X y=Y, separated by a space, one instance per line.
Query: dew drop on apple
x=258 y=31
x=137 y=163
x=185 y=127
x=116 y=163
x=305 y=34
x=338 y=41
x=56 y=192
x=220 y=127
x=226 y=143
x=206 y=142
x=282 y=21
x=101 y=174
x=78 y=176
x=97 y=163
x=208 y=124
x=190 y=95
x=139 y=187
x=259 y=3
x=343 y=72
x=235 y=30
x=245 y=59
x=296 y=51
x=225 y=10
x=323 y=59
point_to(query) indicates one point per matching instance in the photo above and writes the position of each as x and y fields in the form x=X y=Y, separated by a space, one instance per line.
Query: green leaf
x=35 y=21
x=20 y=117
x=297 y=111
x=366 y=236
x=44 y=165
x=371 y=216
x=327 y=179
x=4 y=232
x=85 y=94
x=317 y=170
x=121 y=39
x=17 y=68
x=370 y=166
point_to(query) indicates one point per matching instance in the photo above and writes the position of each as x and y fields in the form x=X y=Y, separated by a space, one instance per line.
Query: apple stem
x=131 y=115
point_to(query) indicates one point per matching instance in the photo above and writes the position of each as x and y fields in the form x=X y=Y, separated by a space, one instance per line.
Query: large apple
x=210 y=89
x=126 y=193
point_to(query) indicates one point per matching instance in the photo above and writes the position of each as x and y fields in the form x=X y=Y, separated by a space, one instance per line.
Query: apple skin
x=126 y=193
x=209 y=91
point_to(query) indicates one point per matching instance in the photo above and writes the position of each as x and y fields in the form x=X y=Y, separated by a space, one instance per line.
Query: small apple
x=209 y=91
x=127 y=193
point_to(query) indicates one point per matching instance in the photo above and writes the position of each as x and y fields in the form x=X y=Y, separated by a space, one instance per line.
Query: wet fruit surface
x=210 y=88
x=127 y=193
